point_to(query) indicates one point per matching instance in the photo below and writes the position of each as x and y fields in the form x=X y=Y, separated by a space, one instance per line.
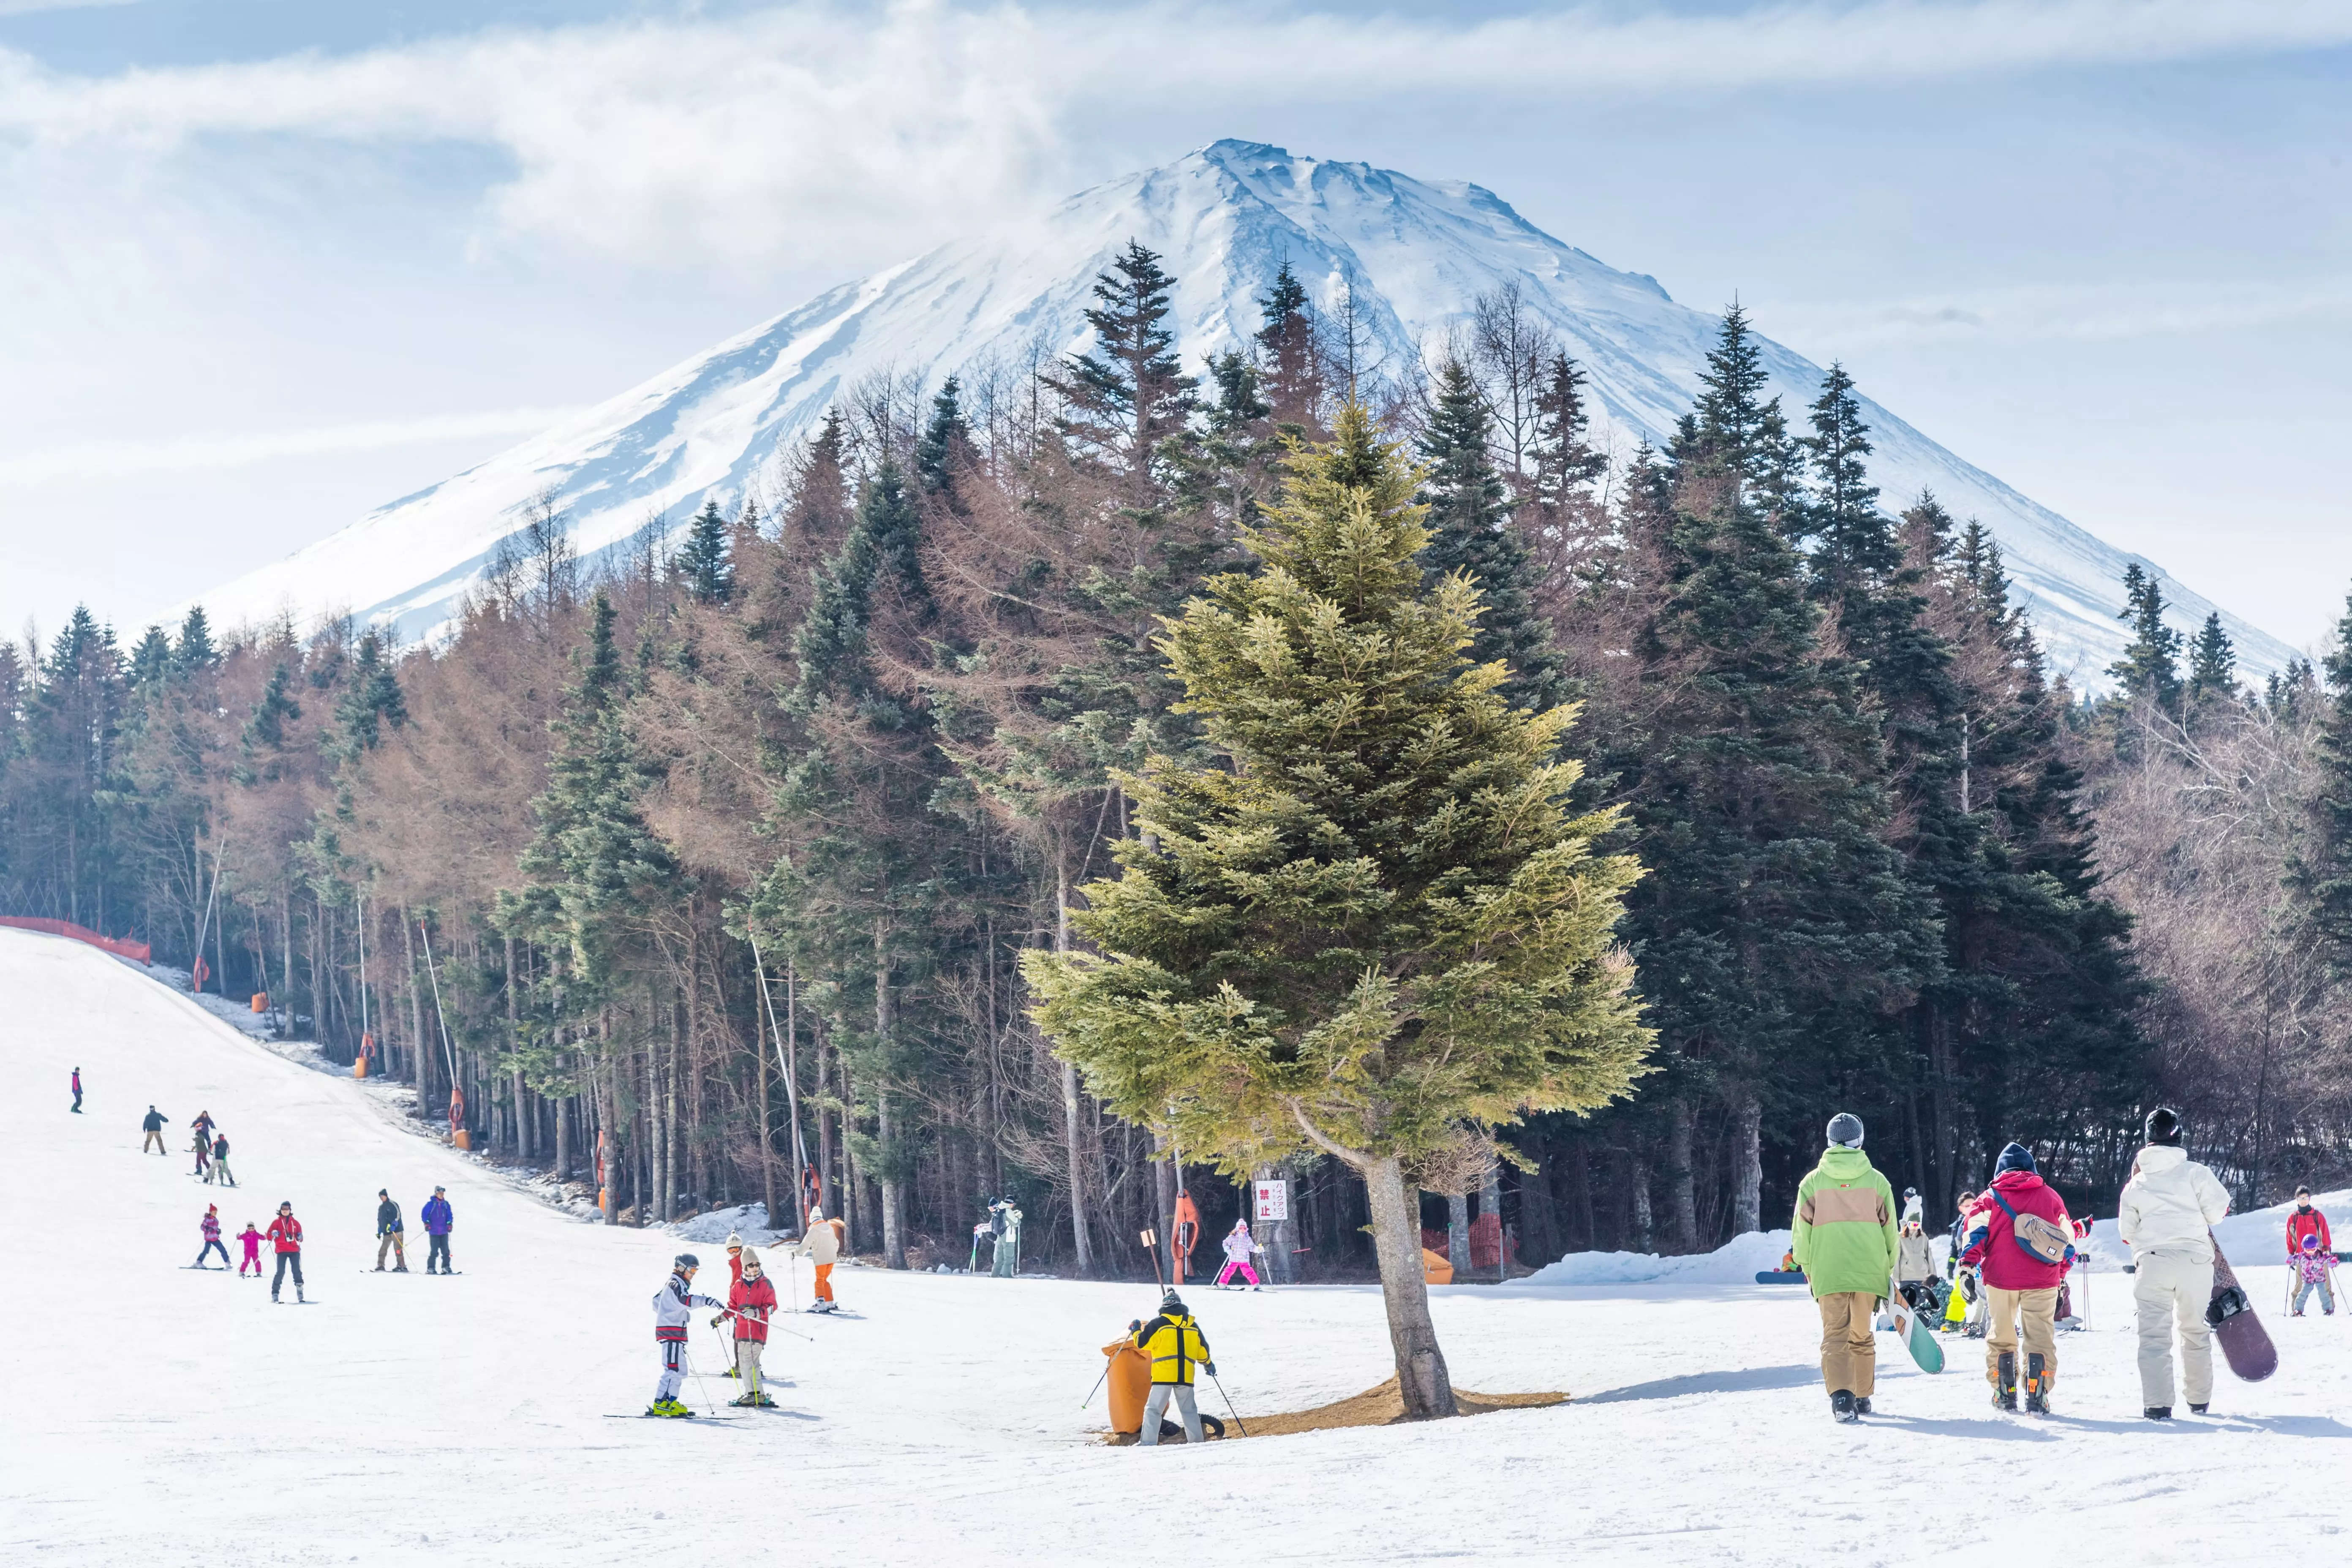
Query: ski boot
x=2037 y=1387
x=1862 y=1404
x=1841 y=1407
x=668 y=1407
x=2197 y=1410
x=2004 y=1392
x=2159 y=1412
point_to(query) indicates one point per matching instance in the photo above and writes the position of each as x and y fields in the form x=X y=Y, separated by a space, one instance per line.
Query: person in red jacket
x=286 y=1234
x=749 y=1301
x=2021 y=1246
x=2304 y=1220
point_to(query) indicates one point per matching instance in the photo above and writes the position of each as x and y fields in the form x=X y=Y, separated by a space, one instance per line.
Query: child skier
x=2022 y=1249
x=252 y=1239
x=212 y=1237
x=77 y=1091
x=203 y=1149
x=821 y=1244
x=749 y=1301
x=1238 y=1245
x=2313 y=1269
x=220 y=1161
x=1844 y=1235
x=674 y=1306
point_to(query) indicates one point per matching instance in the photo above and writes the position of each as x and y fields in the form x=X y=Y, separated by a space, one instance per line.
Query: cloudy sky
x=266 y=264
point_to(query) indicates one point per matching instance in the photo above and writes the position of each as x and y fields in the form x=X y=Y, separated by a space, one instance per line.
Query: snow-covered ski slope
x=161 y=1417
x=1413 y=254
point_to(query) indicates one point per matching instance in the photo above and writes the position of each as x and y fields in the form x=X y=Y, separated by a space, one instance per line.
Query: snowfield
x=163 y=1417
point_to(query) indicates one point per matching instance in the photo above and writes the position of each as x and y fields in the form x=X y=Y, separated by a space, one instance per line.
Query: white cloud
x=2109 y=311
x=115 y=460
x=827 y=134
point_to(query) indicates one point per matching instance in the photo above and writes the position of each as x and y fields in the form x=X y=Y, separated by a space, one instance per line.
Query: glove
x=1210 y=1367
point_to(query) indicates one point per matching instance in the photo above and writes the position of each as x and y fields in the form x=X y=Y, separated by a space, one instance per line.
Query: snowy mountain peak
x=1410 y=255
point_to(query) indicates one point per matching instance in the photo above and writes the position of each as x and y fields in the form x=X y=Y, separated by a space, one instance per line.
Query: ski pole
x=729 y=1312
x=1098 y=1383
x=708 y=1404
x=1229 y=1404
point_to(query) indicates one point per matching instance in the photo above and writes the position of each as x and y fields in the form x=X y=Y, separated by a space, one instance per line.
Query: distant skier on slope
x=439 y=1220
x=2167 y=1216
x=2313 y=1271
x=2022 y=1249
x=153 y=1124
x=749 y=1300
x=1239 y=1244
x=821 y=1244
x=388 y=1233
x=674 y=1306
x=1845 y=1239
x=285 y=1235
x=77 y=1091
x=202 y=1148
x=220 y=1161
x=252 y=1239
x=211 y=1226
x=1177 y=1348
x=2305 y=1222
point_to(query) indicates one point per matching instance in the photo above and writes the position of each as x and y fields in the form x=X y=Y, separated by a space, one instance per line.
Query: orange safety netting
x=122 y=947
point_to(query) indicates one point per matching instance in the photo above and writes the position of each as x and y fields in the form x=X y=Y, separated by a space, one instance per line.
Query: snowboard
x=1779 y=1277
x=1917 y=1337
x=2245 y=1343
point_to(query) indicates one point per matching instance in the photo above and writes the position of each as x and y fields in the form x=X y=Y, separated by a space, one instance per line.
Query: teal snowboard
x=1917 y=1337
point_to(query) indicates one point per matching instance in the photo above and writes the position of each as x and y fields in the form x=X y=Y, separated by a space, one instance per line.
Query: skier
x=77 y=1091
x=1187 y=1232
x=154 y=1123
x=1176 y=1346
x=211 y=1224
x=285 y=1235
x=220 y=1160
x=1844 y=1238
x=749 y=1301
x=252 y=1239
x=1238 y=1245
x=203 y=1149
x=2167 y=1218
x=2022 y=1249
x=438 y=1222
x=388 y=1233
x=674 y=1306
x=2304 y=1222
x=2313 y=1268
x=1006 y=1261
x=203 y=1126
x=821 y=1244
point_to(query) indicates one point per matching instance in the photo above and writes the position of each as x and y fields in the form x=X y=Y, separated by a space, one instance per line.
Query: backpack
x=2043 y=1240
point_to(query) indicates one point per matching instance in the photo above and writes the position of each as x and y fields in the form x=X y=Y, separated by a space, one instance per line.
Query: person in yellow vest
x=1177 y=1349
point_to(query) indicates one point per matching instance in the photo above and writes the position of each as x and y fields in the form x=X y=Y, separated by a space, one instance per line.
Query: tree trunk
x=1490 y=1202
x=420 y=1065
x=522 y=1143
x=1457 y=1232
x=1072 y=1144
x=1680 y=1127
x=894 y=1196
x=767 y=1146
x=1422 y=1377
x=1748 y=1175
x=1638 y=1184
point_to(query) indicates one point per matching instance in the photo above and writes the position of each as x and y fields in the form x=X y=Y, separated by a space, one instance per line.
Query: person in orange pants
x=1188 y=1231
x=821 y=1244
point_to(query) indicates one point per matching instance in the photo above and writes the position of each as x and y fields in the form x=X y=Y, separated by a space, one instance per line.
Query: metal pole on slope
x=447 y=1055
x=787 y=1057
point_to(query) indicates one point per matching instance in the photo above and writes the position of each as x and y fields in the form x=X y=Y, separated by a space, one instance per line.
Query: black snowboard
x=2245 y=1343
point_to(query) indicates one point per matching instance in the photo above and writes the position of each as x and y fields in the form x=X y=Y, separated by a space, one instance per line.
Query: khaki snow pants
x=1849 y=1347
x=747 y=1363
x=2038 y=1311
x=392 y=1242
x=2172 y=1293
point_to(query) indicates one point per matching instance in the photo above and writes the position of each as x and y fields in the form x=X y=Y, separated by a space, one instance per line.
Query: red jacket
x=1993 y=1242
x=752 y=1300
x=286 y=1232
x=2301 y=1222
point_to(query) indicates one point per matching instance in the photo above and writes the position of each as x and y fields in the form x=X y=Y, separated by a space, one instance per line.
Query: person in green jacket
x=1845 y=1242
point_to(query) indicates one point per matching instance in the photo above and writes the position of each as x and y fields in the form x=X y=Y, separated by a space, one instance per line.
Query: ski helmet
x=2164 y=1126
x=2311 y=1243
x=685 y=1260
x=1845 y=1131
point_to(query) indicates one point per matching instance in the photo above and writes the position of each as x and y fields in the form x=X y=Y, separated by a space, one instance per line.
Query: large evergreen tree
x=2149 y=671
x=704 y=563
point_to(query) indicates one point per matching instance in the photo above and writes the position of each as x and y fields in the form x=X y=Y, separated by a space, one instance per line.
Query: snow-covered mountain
x=1413 y=254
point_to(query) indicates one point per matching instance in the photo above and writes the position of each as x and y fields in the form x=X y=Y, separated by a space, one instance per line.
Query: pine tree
x=1289 y=363
x=2212 y=667
x=151 y=661
x=1469 y=524
x=1378 y=925
x=371 y=700
x=264 y=740
x=195 y=651
x=2320 y=873
x=704 y=565
x=945 y=449
x=1130 y=397
x=2149 y=671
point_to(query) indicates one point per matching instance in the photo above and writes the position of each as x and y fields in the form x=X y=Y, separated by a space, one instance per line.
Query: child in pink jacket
x=252 y=1239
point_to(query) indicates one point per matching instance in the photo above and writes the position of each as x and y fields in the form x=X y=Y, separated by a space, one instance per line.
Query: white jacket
x=675 y=1302
x=820 y=1244
x=1239 y=1245
x=2170 y=1206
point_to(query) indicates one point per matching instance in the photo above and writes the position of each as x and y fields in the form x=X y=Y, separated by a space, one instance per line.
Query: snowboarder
x=252 y=1239
x=77 y=1091
x=2312 y=1269
x=674 y=1306
x=749 y=1301
x=2167 y=1216
x=1176 y=1346
x=1845 y=1239
x=153 y=1124
x=2022 y=1249
x=438 y=1222
x=285 y=1235
x=211 y=1224
x=220 y=1160
x=388 y=1233
x=1239 y=1244
x=2305 y=1222
x=821 y=1244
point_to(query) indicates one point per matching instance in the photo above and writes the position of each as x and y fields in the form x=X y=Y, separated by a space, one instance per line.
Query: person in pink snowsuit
x=252 y=1239
x=1238 y=1245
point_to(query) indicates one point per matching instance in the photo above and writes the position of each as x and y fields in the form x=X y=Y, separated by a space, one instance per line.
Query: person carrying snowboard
x=2304 y=1222
x=1177 y=1349
x=821 y=1244
x=220 y=1160
x=252 y=1239
x=2167 y=1216
x=210 y=1226
x=1845 y=1239
x=674 y=1306
x=77 y=1091
x=388 y=1238
x=2022 y=1249
x=2313 y=1269
x=749 y=1300
x=153 y=1124
x=1238 y=1245
x=438 y=1222
x=285 y=1235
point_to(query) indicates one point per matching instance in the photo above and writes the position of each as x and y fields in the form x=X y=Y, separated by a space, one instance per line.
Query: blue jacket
x=438 y=1217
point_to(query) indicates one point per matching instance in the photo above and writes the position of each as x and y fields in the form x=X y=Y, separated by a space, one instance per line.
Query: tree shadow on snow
x=1749 y=1381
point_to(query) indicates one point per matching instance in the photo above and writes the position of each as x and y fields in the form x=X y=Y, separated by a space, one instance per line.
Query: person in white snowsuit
x=674 y=1306
x=2167 y=1216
